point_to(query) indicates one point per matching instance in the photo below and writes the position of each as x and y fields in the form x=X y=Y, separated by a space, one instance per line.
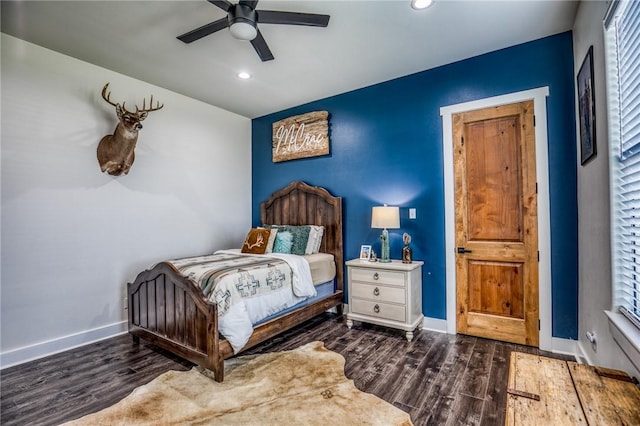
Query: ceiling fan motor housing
x=242 y=22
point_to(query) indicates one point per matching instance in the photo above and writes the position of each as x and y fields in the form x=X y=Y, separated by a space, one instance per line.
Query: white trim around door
x=539 y=96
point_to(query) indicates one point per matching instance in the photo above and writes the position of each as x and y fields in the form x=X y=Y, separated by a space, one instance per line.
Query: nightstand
x=387 y=294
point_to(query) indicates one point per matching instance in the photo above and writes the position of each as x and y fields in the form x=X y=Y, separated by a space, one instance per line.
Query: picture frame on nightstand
x=365 y=252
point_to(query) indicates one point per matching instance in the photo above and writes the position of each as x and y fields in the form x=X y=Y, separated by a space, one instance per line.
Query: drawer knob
x=376 y=309
x=376 y=291
x=376 y=276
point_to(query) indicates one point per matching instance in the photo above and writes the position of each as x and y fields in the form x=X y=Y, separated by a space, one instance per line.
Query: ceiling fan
x=243 y=18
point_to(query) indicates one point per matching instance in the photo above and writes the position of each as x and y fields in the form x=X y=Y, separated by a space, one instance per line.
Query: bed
x=171 y=312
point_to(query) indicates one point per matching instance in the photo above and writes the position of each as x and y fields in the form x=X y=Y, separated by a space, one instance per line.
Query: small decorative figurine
x=407 y=253
x=373 y=257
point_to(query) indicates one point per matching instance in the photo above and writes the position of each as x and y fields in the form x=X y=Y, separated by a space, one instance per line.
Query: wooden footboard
x=169 y=311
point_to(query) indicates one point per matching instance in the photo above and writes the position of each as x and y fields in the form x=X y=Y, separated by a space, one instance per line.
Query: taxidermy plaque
x=301 y=136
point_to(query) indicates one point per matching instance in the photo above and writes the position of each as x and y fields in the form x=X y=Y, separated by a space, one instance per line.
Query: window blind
x=628 y=41
x=623 y=61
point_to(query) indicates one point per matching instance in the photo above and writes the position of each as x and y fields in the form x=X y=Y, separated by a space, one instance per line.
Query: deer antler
x=151 y=108
x=106 y=96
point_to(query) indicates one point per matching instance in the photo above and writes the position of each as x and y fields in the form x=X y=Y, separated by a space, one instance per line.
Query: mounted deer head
x=116 y=151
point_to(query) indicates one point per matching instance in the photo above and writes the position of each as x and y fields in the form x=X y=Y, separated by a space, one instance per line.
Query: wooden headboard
x=302 y=204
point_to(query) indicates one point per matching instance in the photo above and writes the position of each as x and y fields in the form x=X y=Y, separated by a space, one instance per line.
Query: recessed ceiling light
x=243 y=75
x=421 y=4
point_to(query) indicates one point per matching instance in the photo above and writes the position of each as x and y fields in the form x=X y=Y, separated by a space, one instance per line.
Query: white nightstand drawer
x=378 y=293
x=378 y=276
x=378 y=309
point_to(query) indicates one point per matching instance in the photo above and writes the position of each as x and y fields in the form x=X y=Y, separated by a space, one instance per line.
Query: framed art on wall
x=587 y=109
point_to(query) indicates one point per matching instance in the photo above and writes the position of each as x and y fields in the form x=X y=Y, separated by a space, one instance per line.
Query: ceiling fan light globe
x=421 y=4
x=243 y=31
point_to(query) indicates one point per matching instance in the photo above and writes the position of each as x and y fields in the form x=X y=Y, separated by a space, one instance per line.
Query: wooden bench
x=547 y=391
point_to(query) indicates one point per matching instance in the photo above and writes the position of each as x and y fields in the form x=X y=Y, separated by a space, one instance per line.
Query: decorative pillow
x=256 y=241
x=300 y=238
x=315 y=239
x=272 y=240
x=283 y=243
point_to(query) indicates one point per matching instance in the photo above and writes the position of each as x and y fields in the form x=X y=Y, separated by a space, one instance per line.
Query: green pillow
x=300 y=238
x=283 y=242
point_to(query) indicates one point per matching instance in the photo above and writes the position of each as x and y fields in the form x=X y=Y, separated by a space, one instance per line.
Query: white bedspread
x=302 y=281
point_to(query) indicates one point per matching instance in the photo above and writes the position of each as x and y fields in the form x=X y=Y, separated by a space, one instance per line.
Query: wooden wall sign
x=301 y=136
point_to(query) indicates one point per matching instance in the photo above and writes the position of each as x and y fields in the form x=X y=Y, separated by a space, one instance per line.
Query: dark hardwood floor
x=437 y=378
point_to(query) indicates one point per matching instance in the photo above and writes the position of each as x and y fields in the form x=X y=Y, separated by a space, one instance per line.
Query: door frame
x=538 y=96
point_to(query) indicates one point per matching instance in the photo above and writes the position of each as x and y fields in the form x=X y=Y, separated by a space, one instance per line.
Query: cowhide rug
x=305 y=386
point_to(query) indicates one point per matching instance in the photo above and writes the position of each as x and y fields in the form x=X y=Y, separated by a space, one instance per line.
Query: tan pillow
x=272 y=239
x=256 y=241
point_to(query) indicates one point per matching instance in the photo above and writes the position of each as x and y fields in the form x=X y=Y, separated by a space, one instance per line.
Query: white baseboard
x=434 y=324
x=564 y=347
x=581 y=354
x=54 y=346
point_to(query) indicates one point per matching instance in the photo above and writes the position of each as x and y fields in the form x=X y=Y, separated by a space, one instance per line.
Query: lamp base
x=384 y=246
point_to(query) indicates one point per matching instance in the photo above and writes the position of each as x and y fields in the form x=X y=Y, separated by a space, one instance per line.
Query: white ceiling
x=366 y=42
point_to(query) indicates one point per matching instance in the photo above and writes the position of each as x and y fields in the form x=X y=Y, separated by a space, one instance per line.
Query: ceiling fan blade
x=204 y=30
x=292 y=18
x=251 y=3
x=261 y=47
x=222 y=4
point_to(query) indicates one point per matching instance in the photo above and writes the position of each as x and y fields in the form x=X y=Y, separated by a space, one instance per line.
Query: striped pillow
x=315 y=239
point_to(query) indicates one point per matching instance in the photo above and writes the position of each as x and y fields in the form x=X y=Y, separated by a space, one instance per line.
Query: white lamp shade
x=385 y=217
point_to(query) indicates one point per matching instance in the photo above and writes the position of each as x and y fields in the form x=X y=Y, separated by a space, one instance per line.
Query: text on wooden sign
x=301 y=136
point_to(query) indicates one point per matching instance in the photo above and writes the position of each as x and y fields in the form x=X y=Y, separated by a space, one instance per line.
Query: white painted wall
x=593 y=205
x=72 y=237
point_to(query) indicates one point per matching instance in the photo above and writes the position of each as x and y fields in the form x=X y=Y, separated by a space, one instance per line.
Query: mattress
x=323 y=267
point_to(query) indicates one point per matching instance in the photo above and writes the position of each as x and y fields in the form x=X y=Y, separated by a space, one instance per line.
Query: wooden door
x=496 y=223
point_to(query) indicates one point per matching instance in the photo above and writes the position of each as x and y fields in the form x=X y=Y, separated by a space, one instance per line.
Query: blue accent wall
x=386 y=147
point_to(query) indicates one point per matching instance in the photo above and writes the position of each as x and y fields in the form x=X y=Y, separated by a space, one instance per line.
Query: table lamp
x=385 y=217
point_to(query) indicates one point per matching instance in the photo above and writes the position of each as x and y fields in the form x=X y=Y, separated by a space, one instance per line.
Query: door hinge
x=538 y=324
x=534 y=121
x=538 y=255
x=536 y=187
